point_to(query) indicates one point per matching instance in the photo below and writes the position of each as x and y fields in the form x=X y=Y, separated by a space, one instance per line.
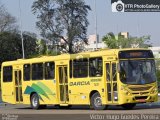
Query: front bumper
x=123 y=99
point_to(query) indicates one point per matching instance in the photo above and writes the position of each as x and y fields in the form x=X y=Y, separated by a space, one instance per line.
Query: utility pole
x=21 y=29
x=96 y=24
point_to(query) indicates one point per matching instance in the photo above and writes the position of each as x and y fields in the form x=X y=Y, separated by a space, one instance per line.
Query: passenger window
x=80 y=68
x=70 y=66
x=108 y=71
x=26 y=73
x=37 y=71
x=49 y=70
x=114 y=72
x=95 y=67
x=7 y=74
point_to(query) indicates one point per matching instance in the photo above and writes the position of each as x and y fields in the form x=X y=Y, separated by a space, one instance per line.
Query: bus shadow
x=50 y=107
x=137 y=107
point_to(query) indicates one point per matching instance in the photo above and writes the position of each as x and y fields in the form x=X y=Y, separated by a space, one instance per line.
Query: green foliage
x=158 y=78
x=44 y=49
x=158 y=72
x=11 y=47
x=119 y=41
x=158 y=75
x=62 y=20
x=110 y=40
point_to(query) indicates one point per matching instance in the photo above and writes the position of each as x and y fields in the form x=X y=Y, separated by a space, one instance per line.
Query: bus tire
x=35 y=101
x=129 y=106
x=96 y=102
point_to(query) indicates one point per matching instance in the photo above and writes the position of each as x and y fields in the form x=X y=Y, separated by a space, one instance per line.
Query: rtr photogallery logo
x=9 y=117
x=118 y=6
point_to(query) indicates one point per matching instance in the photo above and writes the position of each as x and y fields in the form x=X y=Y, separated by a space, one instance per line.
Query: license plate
x=141 y=100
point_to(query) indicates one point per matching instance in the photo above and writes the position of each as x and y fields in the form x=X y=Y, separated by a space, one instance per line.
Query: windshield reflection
x=137 y=71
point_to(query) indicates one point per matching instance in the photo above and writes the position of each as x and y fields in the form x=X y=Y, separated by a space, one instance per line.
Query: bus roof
x=102 y=52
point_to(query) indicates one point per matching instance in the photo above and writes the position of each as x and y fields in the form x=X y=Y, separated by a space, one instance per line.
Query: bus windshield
x=137 y=71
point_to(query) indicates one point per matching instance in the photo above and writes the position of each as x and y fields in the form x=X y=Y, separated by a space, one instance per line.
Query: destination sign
x=135 y=54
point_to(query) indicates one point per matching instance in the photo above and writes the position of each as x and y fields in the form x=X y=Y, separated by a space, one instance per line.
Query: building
x=92 y=39
x=93 y=45
x=125 y=34
x=100 y=45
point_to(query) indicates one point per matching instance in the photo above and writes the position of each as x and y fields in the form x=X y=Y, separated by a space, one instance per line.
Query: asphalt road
x=0 y=97
x=23 y=112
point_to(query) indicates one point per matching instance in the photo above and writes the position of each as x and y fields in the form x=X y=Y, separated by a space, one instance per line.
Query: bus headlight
x=125 y=90
x=128 y=93
x=154 y=90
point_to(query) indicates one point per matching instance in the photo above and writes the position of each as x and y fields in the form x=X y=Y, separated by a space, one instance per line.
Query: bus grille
x=140 y=88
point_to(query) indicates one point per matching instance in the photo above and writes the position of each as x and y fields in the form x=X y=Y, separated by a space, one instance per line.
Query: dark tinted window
x=26 y=74
x=95 y=67
x=7 y=74
x=108 y=71
x=37 y=71
x=49 y=70
x=80 y=68
x=114 y=72
x=70 y=66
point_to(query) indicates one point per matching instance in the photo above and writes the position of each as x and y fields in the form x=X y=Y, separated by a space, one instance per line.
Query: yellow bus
x=123 y=77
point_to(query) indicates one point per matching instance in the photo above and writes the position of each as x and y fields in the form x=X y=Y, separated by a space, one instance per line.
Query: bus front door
x=63 y=84
x=18 y=86
x=111 y=81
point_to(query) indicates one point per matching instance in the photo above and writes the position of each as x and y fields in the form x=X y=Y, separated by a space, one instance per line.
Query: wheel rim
x=35 y=101
x=98 y=102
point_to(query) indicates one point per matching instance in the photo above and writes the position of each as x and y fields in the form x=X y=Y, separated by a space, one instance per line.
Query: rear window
x=7 y=74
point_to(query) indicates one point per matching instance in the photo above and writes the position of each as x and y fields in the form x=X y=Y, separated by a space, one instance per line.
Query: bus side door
x=63 y=84
x=18 y=86
x=111 y=81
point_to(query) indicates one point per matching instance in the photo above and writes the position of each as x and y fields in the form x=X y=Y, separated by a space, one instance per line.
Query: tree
x=158 y=72
x=11 y=47
x=120 y=41
x=62 y=20
x=110 y=40
x=42 y=47
x=30 y=44
x=7 y=21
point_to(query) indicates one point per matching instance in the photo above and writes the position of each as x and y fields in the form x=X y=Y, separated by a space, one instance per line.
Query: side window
x=70 y=68
x=114 y=71
x=95 y=67
x=37 y=71
x=49 y=70
x=26 y=73
x=108 y=71
x=7 y=74
x=80 y=68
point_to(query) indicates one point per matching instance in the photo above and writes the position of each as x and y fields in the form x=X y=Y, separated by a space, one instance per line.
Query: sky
x=137 y=24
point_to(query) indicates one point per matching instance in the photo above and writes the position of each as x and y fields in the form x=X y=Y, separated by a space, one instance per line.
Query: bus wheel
x=96 y=102
x=35 y=101
x=129 y=106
